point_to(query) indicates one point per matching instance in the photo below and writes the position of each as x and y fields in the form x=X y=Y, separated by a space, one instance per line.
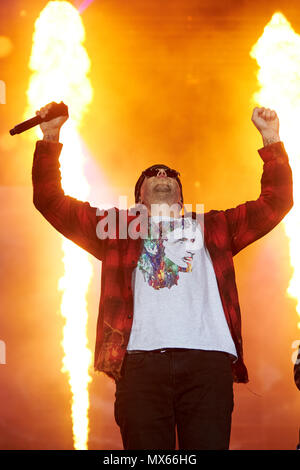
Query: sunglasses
x=154 y=172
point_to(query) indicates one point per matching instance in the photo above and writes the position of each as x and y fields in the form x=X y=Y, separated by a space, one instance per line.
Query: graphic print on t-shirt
x=169 y=250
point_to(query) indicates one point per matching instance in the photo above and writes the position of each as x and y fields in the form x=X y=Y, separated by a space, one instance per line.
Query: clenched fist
x=51 y=128
x=267 y=122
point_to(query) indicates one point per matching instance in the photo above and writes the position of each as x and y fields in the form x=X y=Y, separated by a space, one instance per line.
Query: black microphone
x=57 y=110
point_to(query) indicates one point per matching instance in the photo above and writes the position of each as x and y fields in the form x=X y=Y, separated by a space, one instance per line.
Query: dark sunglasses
x=154 y=172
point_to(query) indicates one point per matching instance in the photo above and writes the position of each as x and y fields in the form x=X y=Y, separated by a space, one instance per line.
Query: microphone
x=57 y=110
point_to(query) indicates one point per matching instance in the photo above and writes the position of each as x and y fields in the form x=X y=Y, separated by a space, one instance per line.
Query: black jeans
x=192 y=389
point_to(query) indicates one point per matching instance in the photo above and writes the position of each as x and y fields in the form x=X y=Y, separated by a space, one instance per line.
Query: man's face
x=181 y=245
x=160 y=189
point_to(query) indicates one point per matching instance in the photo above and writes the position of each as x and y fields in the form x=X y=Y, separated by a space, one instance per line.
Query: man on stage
x=169 y=326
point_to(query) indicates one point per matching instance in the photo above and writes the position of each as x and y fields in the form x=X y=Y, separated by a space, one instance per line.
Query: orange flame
x=278 y=58
x=60 y=65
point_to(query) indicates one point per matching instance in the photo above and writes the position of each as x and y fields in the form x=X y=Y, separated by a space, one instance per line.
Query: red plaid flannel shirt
x=226 y=232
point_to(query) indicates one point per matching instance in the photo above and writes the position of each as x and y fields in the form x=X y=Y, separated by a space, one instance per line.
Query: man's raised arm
x=74 y=219
x=252 y=220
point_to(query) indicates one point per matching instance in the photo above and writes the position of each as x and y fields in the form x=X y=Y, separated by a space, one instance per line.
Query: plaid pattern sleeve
x=74 y=219
x=252 y=220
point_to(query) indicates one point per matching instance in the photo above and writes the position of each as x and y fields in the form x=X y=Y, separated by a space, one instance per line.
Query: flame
x=60 y=65
x=277 y=53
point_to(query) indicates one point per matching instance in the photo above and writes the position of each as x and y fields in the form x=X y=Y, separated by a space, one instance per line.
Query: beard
x=161 y=192
x=162 y=188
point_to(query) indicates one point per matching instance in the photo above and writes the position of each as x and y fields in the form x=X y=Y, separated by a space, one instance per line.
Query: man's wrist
x=51 y=137
x=270 y=138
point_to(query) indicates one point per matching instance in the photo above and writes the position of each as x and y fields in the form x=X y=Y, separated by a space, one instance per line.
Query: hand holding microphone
x=51 y=117
x=51 y=128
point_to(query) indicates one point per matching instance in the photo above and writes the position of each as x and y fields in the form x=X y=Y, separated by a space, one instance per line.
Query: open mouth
x=164 y=187
x=188 y=259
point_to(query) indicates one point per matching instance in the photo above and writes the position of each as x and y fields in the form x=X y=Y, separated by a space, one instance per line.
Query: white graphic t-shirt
x=176 y=297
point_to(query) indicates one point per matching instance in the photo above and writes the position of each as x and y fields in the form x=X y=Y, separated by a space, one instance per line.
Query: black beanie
x=139 y=182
